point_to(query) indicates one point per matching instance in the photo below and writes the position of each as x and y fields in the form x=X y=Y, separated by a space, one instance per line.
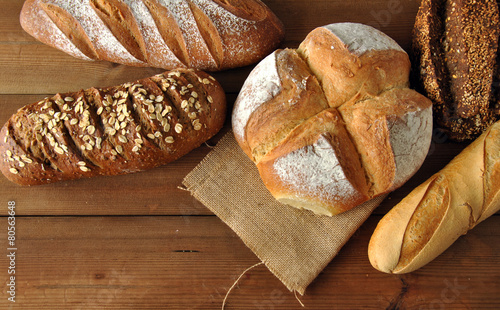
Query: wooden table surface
x=140 y=242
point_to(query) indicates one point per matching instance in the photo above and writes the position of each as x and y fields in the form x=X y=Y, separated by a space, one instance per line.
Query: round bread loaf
x=333 y=124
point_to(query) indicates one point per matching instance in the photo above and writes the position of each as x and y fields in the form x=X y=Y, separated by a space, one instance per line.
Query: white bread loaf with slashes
x=333 y=124
x=443 y=208
x=112 y=130
x=208 y=35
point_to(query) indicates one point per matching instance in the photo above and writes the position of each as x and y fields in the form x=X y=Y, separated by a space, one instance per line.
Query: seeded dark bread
x=455 y=50
x=113 y=130
x=203 y=34
x=333 y=123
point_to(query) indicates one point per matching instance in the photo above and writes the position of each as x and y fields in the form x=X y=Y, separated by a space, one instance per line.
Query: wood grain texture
x=140 y=242
x=190 y=262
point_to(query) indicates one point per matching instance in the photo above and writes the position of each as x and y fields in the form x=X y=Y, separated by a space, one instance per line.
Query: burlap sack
x=295 y=245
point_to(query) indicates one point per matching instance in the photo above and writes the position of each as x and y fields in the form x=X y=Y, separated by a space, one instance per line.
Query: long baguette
x=113 y=130
x=435 y=214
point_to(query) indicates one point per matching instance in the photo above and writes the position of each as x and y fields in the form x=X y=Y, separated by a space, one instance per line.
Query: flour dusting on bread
x=351 y=131
x=410 y=143
x=314 y=170
x=60 y=40
x=153 y=40
x=262 y=84
x=96 y=30
x=362 y=38
x=201 y=34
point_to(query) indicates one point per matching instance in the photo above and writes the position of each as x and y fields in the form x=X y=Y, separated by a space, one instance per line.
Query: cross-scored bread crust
x=333 y=124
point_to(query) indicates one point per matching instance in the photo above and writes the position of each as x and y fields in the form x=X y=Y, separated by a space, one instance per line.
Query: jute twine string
x=238 y=279
x=236 y=282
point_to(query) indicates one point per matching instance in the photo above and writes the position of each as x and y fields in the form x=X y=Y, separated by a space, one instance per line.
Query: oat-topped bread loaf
x=113 y=130
x=455 y=50
x=202 y=34
x=333 y=124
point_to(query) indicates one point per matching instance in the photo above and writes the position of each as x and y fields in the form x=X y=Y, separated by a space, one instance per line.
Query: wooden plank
x=155 y=191
x=145 y=193
x=150 y=192
x=10 y=28
x=395 y=18
x=190 y=262
x=458 y=279
x=123 y=262
x=41 y=69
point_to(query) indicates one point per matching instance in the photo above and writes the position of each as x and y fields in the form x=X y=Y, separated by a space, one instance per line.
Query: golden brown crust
x=447 y=205
x=491 y=173
x=202 y=34
x=294 y=104
x=343 y=74
x=332 y=124
x=113 y=130
x=373 y=121
x=322 y=134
